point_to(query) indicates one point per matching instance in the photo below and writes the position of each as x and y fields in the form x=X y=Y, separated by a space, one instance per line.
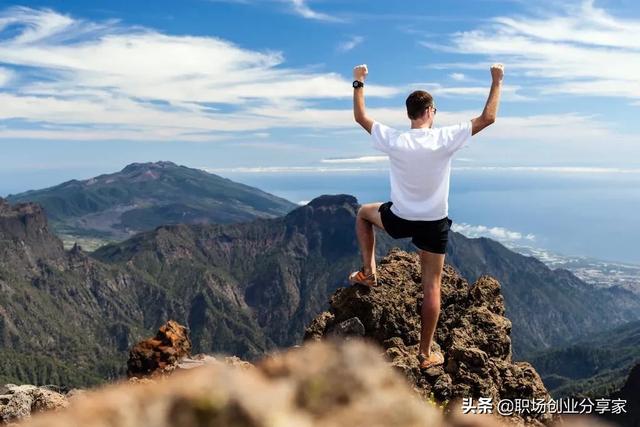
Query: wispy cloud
x=302 y=8
x=74 y=76
x=500 y=234
x=350 y=44
x=457 y=76
x=554 y=169
x=5 y=76
x=299 y=7
x=290 y=169
x=357 y=161
x=361 y=159
x=509 y=92
x=582 y=50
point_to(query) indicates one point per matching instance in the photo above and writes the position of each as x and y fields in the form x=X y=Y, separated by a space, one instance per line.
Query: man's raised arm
x=359 y=111
x=490 y=111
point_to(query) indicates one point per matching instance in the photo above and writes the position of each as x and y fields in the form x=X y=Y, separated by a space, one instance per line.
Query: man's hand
x=490 y=111
x=360 y=72
x=497 y=72
x=359 y=111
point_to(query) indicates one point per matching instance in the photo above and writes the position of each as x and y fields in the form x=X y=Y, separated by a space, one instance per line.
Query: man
x=420 y=167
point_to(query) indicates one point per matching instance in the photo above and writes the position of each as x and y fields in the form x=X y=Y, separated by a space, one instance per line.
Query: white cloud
x=290 y=169
x=5 y=76
x=106 y=81
x=509 y=92
x=582 y=50
x=578 y=170
x=553 y=169
x=362 y=159
x=457 y=76
x=142 y=84
x=299 y=7
x=500 y=234
x=302 y=8
x=350 y=44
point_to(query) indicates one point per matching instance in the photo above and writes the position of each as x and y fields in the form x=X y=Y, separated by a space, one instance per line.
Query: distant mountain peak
x=333 y=200
x=143 y=196
x=143 y=167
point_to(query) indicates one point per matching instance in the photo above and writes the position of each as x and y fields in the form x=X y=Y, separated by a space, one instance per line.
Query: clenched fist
x=360 y=72
x=497 y=72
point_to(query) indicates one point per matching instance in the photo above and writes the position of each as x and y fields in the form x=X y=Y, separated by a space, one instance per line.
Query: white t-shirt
x=420 y=167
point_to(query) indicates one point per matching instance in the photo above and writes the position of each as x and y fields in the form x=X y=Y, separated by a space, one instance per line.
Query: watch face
x=357 y=84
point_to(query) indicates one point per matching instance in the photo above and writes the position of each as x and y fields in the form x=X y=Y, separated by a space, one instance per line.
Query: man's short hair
x=417 y=103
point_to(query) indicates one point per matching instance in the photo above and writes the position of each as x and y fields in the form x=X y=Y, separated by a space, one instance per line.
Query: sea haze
x=575 y=213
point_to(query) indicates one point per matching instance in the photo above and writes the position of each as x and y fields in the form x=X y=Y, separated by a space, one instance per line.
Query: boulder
x=160 y=354
x=20 y=402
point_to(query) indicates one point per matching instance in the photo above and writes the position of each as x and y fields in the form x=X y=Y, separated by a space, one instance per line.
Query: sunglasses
x=434 y=109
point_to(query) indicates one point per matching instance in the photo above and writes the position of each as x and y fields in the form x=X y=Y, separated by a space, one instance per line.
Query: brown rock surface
x=160 y=354
x=472 y=333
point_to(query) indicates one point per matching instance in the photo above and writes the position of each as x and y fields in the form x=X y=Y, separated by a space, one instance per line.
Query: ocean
x=573 y=212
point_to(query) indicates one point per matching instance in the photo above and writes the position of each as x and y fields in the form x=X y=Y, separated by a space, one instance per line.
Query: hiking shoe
x=434 y=359
x=359 y=277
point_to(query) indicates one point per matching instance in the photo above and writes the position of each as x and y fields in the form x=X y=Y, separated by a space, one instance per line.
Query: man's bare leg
x=432 y=265
x=368 y=216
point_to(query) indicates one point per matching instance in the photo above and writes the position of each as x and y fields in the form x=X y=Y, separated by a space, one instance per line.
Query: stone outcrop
x=19 y=402
x=160 y=354
x=25 y=238
x=472 y=333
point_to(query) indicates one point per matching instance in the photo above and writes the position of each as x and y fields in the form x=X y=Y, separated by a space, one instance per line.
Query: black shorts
x=431 y=236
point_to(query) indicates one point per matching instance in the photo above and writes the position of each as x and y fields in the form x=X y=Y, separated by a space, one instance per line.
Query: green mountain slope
x=548 y=308
x=592 y=366
x=145 y=195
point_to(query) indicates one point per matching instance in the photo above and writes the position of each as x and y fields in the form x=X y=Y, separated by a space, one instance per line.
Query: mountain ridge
x=242 y=289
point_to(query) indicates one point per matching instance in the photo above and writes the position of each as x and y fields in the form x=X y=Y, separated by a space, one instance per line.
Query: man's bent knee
x=371 y=214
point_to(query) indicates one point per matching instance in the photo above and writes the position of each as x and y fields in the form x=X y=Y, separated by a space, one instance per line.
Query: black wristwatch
x=357 y=84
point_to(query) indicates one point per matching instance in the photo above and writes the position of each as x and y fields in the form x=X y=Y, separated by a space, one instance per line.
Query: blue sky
x=254 y=85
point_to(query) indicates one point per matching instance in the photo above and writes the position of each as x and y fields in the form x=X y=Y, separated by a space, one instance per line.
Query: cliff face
x=25 y=238
x=60 y=304
x=472 y=333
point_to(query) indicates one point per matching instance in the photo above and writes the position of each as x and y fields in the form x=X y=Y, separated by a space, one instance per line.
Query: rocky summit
x=472 y=333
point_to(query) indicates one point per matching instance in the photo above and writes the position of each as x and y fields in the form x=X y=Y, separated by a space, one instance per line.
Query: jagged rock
x=472 y=333
x=20 y=402
x=349 y=328
x=160 y=354
x=319 y=384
